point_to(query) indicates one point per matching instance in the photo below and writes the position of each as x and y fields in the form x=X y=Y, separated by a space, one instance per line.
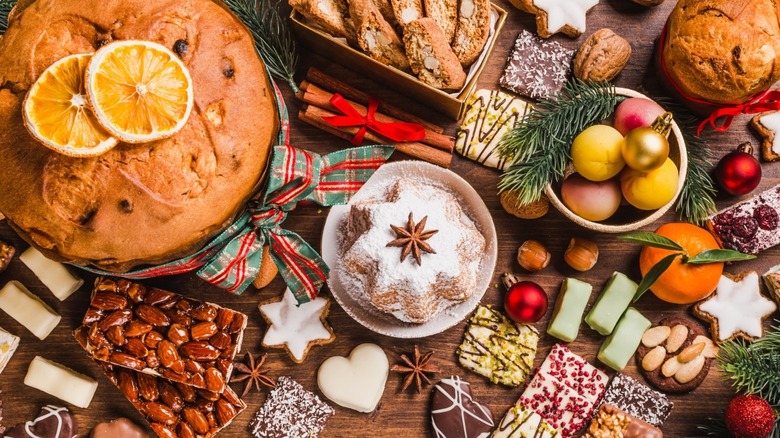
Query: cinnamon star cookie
x=553 y=16
x=768 y=127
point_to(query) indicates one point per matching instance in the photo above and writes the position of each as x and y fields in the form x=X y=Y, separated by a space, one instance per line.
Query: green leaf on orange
x=651 y=239
x=652 y=275
x=719 y=255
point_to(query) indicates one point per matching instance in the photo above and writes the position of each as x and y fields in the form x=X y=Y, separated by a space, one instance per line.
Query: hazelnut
x=582 y=254
x=533 y=210
x=533 y=256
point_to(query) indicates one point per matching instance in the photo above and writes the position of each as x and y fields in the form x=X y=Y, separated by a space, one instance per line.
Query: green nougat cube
x=567 y=316
x=612 y=302
x=623 y=342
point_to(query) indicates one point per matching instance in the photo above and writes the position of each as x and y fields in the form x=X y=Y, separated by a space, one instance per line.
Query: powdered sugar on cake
x=410 y=292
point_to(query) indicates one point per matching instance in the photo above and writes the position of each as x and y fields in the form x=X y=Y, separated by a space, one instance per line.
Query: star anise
x=416 y=369
x=252 y=372
x=412 y=239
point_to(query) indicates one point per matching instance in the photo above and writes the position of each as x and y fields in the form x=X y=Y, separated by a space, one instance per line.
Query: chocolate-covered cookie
x=675 y=355
x=52 y=422
x=119 y=428
x=455 y=413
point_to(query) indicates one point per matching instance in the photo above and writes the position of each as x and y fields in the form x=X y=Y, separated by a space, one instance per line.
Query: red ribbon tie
x=395 y=131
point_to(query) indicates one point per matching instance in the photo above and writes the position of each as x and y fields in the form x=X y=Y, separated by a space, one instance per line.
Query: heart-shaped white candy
x=356 y=382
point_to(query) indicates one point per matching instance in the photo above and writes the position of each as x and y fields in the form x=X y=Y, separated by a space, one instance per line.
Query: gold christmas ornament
x=646 y=148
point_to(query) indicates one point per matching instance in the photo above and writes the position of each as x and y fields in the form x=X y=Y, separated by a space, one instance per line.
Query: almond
x=654 y=358
x=152 y=339
x=204 y=312
x=167 y=353
x=178 y=334
x=103 y=354
x=183 y=305
x=221 y=340
x=116 y=335
x=152 y=315
x=203 y=331
x=212 y=419
x=196 y=419
x=105 y=284
x=108 y=301
x=170 y=374
x=677 y=338
x=128 y=385
x=200 y=351
x=602 y=56
x=147 y=387
x=160 y=413
x=127 y=361
x=224 y=366
x=178 y=367
x=119 y=317
x=96 y=338
x=193 y=367
x=136 y=292
x=135 y=347
x=691 y=352
x=91 y=316
x=710 y=349
x=208 y=395
x=185 y=430
x=137 y=328
x=187 y=392
x=238 y=323
x=157 y=296
x=179 y=317
x=671 y=367
x=152 y=360
x=225 y=412
x=197 y=380
x=231 y=397
x=171 y=396
x=690 y=370
x=224 y=318
x=163 y=431
x=655 y=336
x=214 y=380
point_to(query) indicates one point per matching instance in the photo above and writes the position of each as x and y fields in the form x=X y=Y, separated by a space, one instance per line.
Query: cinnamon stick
x=313 y=115
x=314 y=95
x=322 y=79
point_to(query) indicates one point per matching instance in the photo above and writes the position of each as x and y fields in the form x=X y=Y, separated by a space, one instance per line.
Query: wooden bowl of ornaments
x=628 y=218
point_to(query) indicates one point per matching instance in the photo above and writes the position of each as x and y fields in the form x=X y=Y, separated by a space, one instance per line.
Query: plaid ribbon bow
x=232 y=259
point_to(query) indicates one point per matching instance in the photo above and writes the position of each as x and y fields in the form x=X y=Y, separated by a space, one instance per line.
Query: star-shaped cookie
x=553 y=16
x=296 y=328
x=736 y=308
x=768 y=127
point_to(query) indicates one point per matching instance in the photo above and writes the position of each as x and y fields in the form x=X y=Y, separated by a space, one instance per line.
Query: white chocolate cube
x=28 y=310
x=61 y=382
x=8 y=344
x=54 y=275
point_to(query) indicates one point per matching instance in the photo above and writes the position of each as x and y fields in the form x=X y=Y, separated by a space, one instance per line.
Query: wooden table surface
x=406 y=414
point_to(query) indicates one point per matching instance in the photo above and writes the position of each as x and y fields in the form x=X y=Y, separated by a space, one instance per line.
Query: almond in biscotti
x=406 y=11
x=431 y=57
x=376 y=36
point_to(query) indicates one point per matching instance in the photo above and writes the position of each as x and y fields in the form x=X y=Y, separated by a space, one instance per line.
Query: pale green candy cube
x=623 y=342
x=567 y=316
x=612 y=302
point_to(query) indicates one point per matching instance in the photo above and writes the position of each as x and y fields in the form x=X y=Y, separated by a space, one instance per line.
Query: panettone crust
x=145 y=203
x=723 y=51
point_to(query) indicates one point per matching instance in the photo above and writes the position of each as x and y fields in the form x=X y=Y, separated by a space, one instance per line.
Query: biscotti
x=445 y=14
x=472 y=30
x=386 y=9
x=430 y=57
x=376 y=36
x=407 y=11
x=331 y=15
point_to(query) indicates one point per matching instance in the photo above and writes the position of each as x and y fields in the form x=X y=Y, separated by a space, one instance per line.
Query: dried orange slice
x=140 y=91
x=57 y=114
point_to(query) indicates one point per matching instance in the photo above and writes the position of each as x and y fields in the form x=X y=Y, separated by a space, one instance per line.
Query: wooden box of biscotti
x=433 y=53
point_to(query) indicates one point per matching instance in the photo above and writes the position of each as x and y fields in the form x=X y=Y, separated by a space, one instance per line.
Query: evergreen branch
x=715 y=427
x=5 y=9
x=539 y=144
x=273 y=38
x=754 y=368
x=696 y=200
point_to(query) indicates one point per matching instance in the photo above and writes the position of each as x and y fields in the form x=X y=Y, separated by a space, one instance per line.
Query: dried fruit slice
x=57 y=114
x=140 y=91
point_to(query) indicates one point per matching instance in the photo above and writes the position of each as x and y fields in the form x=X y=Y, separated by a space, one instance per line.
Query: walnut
x=602 y=56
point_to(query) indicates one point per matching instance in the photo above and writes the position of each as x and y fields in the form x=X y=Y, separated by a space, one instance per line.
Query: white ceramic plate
x=361 y=310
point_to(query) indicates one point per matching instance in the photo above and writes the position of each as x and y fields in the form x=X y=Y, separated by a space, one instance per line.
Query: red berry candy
x=525 y=302
x=749 y=416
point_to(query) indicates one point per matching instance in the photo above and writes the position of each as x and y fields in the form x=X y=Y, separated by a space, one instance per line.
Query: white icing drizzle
x=457 y=398
x=51 y=411
x=738 y=307
x=772 y=123
x=295 y=325
x=561 y=13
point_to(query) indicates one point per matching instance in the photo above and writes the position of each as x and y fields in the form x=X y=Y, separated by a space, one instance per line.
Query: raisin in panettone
x=723 y=51
x=142 y=203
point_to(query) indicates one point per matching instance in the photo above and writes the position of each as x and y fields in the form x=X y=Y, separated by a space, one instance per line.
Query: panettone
x=144 y=203
x=723 y=51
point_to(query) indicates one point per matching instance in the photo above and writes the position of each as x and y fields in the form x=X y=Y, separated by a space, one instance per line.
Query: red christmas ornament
x=739 y=172
x=525 y=302
x=749 y=416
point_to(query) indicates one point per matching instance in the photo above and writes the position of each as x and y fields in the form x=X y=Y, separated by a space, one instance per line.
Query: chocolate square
x=638 y=400
x=536 y=68
x=290 y=412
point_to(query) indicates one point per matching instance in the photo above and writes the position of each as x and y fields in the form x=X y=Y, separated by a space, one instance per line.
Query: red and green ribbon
x=232 y=259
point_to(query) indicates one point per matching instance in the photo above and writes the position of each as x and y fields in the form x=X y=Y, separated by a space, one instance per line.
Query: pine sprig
x=5 y=9
x=754 y=368
x=696 y=200
x=539 y=143
x=273 y=38
x=713 y=428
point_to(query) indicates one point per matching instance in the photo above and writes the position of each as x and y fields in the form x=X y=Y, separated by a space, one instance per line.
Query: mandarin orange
x=683 y=283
